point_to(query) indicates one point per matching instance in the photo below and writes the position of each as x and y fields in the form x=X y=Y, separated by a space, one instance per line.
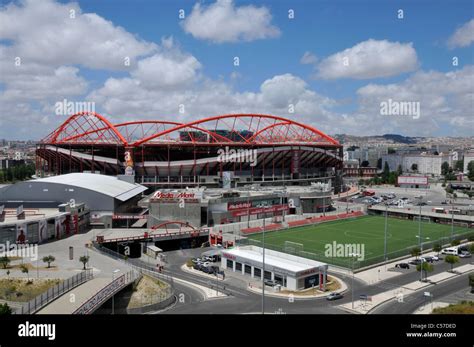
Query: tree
x=470 y=170
x=391 y=150
x=425 y=267
x=84 y=260
x=414 y=167
x=24 y=269
x=459 y=166
x=399 y=170
x=49 y=259
x=415 y=252
x=365 y=163
x=471 y=282
x=5 y=309
x=451 y=259
x=455 y=243
x=379 y=163
x=444 y=168
x=5 y=261
x=385 y=173
x=437 y=248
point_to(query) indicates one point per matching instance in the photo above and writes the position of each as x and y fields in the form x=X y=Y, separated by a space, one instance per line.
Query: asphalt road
x=413 y=301
x=240 y=300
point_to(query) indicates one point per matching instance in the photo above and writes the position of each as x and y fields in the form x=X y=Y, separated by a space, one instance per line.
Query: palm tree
x=437 y=248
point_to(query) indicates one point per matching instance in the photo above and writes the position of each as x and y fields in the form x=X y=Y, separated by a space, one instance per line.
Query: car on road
x=334 y=296
x=403 y=265
x=464 y=254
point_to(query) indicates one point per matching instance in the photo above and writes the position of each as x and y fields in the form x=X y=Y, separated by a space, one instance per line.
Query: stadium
x=230 y=150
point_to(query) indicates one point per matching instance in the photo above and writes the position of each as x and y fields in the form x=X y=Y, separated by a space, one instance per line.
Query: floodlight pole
x=385 y=235
x=263 y=260
x=421 y=242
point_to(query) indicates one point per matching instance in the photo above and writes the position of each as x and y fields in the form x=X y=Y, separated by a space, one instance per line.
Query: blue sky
x=321 y=28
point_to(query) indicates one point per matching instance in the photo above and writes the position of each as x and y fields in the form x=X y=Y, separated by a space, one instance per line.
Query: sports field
x=368 y=231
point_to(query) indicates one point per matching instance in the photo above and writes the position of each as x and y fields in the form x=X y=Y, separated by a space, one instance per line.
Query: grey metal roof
x=108 y=185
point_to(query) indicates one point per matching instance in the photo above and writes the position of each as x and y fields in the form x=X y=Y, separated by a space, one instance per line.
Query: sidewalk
x=72 y=300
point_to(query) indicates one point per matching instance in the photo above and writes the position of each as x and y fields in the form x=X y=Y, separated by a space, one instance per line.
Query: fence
x=135 y=264
x=107 y=292
x=52 y=293
x=142 y=268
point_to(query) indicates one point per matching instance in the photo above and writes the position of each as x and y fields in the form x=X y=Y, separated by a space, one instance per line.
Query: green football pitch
x=402 y=235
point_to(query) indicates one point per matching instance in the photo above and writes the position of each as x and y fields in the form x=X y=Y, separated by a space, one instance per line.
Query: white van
x=450 y=251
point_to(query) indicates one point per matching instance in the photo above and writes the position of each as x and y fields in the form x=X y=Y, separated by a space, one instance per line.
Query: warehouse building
x=290 y=271
x=93 y=197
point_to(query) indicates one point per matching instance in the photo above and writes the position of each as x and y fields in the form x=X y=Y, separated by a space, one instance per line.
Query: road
x=241 y=300
x=413 y=301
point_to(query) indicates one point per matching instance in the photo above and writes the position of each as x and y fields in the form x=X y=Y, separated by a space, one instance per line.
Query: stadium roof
x=107 y=185
x=231 y=129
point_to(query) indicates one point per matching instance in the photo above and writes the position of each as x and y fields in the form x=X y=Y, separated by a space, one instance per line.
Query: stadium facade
x=220 y=151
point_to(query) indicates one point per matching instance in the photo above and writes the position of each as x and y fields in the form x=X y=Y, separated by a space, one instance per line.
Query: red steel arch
x=92 y=128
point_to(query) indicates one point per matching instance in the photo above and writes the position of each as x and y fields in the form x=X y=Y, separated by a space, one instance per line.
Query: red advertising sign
x=258 y=210
x=231 y=206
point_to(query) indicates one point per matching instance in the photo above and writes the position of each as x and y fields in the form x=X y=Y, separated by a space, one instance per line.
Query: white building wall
x=468 y=156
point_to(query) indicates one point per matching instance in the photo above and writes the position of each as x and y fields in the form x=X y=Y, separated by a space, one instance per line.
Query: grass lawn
x=367 y=231
x=21 y=290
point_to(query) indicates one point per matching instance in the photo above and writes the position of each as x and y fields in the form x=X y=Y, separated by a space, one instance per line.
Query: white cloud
x=223 y=22
x=129 y=97
x=446 y=100
x=463 y=36
x=170 y=68
x=43 y=32
x=369 y=59
x=308 y=58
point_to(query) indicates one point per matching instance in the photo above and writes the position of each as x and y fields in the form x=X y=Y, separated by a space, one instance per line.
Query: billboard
x=413 y=180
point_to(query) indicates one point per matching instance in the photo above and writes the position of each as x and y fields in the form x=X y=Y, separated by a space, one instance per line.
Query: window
x=248 y=269
x=238 y=266
x=230 y=264
x=268 y=275
x=257 y=272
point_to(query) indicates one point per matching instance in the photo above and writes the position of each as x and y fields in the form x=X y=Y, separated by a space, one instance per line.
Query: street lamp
x=113 y=296
x=264 y=206
x=353 y=256
x=385 y=235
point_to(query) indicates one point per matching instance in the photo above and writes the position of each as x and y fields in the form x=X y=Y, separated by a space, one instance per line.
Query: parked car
x=450 y=251
x=196 y=260
x=437 y=258
x=270 y=283
x=403 y=265
x=334 y=296
x=464 y=254
x=428 y=259
x=417 y=261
